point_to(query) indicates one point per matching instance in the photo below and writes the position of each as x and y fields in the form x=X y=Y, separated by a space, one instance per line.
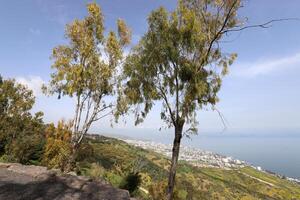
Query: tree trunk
x=72 y=160
x=175 y=155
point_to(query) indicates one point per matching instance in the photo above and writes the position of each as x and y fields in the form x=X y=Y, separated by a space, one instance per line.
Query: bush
x=85 y=152
x=113 y=178
x=146 y=179
x=131 y=182
x=158 y=190
x=58 y=146
x=96 y=171
x=28 y=149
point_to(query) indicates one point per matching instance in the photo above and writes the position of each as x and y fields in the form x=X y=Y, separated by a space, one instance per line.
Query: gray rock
x=19 y=182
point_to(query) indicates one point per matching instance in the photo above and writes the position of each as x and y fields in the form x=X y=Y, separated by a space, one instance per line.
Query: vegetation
x=143 y=173
x=113 y=160
x=179 y=61
x=86 y=69
x=21 y=133
x=58 y=146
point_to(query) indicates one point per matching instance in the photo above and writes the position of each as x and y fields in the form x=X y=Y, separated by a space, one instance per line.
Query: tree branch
x=264 y=25
x=168 y=105
x=218 y=34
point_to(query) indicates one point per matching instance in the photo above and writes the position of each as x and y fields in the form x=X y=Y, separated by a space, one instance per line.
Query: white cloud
x=32 y=82
x=266 y=66
x=35 y=31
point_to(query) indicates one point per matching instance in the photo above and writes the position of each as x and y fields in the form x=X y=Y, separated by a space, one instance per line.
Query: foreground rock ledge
x=22 y=182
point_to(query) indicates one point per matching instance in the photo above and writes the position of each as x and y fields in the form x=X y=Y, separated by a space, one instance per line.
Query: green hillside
x=114 y=160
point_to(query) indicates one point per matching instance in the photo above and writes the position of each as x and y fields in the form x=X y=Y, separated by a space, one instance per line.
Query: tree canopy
x=21 y=133
x=86 y=68
x=179 y=60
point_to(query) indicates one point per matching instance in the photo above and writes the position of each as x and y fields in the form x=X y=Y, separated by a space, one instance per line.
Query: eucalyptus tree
x=86 y=69
x=179 y=62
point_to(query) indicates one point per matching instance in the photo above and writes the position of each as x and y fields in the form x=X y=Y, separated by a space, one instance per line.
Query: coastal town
x=201 y=158
x=196 y=157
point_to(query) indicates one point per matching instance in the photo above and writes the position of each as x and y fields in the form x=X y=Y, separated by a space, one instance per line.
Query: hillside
x=114 y=160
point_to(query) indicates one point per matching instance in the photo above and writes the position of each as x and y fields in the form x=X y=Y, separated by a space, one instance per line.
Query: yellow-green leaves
x=123 y=32
x=95 y=21
x=81 y=66
x=15 y=99
x=87 y=68
x=113 y=49
x=179 y=60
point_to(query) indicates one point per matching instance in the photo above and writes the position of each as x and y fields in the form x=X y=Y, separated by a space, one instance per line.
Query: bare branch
x=167 y=104
x=222 y=117
x=264 y=25
x=102 y=116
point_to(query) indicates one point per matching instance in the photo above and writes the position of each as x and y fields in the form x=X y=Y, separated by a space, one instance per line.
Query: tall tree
x=86 y=69
x=179 y=61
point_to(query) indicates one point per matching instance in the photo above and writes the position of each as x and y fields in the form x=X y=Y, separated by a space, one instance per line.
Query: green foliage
x=116 y=159
x=21 y=134
x=158 y=190
x=96 y=171
x=84 y=152
x=179 y=60
x=58 y=145
x=28 y=149
x=113 y=178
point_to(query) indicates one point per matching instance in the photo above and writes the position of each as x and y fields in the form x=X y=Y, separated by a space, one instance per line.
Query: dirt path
x=262 y=181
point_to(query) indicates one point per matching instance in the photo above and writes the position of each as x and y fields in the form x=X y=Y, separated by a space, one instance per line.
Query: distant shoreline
x=205 y=162
x=202 y=158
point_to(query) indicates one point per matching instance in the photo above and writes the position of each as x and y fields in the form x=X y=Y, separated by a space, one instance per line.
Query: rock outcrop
x=22 y=182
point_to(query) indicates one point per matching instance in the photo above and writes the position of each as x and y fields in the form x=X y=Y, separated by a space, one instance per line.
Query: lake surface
x=279 y=154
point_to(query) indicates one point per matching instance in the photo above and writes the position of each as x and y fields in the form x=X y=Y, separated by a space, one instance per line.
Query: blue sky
x=261 y=93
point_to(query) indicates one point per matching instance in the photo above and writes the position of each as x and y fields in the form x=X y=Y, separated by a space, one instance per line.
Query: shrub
x=58 y=146
x=85 y=152
x=146 y=179
x=131 y=182
x=28 y=149
x=113 y=178
x=158 y=190
x=96 y=171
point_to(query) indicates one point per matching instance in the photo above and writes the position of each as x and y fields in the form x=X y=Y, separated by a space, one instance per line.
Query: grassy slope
x=117 y=157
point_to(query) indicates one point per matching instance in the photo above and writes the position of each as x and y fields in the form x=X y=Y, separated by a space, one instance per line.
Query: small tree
x=179 y=62
x=86 y=69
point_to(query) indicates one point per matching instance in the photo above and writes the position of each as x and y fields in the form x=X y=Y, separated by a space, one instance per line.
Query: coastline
x=202 y=158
